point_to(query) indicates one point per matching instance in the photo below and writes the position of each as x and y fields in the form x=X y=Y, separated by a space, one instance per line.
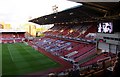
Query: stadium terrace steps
x=74 y=48
x=88 y=58
x=56 y=58
x=70 y=31
x=83 y=50
x=86 y=55
x=94 y=60
x=91 y=29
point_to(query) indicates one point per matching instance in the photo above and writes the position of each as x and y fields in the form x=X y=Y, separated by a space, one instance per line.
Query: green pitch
x=21 y=59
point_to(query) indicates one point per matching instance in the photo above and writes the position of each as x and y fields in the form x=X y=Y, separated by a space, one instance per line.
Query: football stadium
x=81 y=41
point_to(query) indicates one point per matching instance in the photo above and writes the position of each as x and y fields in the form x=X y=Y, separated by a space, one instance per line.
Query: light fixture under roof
x=71 y=13
x=45 y=18
x=37 y=20
x=54 y=16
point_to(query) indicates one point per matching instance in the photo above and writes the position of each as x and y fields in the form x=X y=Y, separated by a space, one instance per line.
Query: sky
x=16 y=12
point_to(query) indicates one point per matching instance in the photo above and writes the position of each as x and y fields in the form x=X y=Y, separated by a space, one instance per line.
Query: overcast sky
x=17 y=11
x=22 y=10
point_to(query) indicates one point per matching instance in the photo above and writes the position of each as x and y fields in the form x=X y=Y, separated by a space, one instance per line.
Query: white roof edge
x=11 y=30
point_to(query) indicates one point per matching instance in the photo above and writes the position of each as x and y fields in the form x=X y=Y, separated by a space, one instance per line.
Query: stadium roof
x=88 y=12
x=10 y=30
x=95 y=0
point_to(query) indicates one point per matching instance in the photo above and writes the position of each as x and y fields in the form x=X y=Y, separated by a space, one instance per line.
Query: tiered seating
x=73 y=34
x=83 y=51
x=84 y=56
x=78 y=51
x=69 y=49
x=62 y=47
x=91 y=29
x=64 y=32
x=71 y=31
x=90 y=62
x=74 y=48
x=12 y=37
x=21 y=35
x=68 y=42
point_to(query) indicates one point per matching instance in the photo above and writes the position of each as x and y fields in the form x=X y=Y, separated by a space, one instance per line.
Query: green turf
x=0 y=59
x=19 y=59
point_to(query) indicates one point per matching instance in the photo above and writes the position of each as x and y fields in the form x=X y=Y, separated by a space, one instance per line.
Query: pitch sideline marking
x=10 y=54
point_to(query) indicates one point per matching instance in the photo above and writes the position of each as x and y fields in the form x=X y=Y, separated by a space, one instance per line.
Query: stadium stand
x=12 y=37
x=84 y=53
x=73 y=43
x=76 y=42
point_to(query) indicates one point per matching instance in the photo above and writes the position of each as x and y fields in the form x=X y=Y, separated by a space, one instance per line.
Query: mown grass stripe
x=25 y=60
x=10 y=53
